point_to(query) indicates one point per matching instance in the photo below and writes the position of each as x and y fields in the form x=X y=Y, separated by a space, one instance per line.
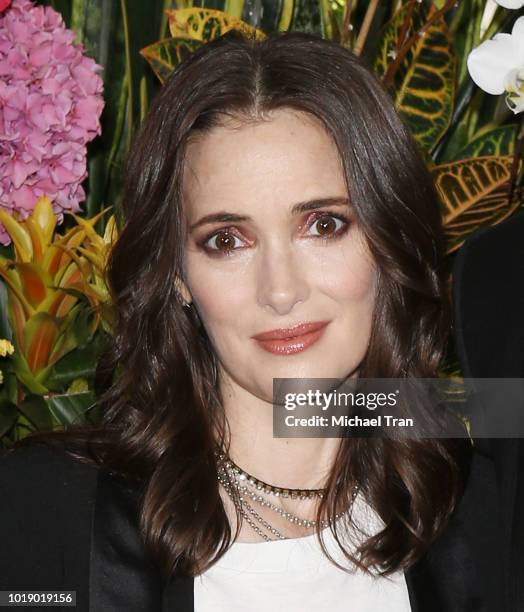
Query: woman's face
x=272 y=243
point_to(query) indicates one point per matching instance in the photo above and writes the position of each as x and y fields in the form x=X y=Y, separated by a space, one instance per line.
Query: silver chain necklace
x=231 y=476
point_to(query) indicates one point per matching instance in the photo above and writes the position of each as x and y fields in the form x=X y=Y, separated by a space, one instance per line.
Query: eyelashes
x=231 y=238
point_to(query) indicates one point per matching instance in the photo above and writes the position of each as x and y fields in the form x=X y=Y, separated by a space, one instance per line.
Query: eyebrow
x=300 y=207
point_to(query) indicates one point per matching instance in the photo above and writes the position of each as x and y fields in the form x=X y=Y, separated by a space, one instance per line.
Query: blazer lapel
x=446 y=583
x=463 y=569
x=121 y=577
x=178 y=595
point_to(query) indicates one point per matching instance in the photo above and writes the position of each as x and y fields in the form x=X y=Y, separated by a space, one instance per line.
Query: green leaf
x=36 y=411
x=474 y=194
x=79 y=363
x=22 y=428
x=8 y=416
x=99 y=25
x=424 y=84
x=5 y=327
x=9 y=388
x=465 y=31
x=40 y=334
x=495 y=141
x=23 y=373
x=306 y=17
x=75 y=330
x=79 y=385
x=164 y=55
x=206 y=24
x=70 y=409
x=331 y=17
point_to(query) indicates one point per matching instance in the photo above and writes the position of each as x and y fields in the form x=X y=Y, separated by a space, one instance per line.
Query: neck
x=282 y=462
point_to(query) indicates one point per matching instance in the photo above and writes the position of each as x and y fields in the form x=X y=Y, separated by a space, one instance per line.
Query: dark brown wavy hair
x=161 y=407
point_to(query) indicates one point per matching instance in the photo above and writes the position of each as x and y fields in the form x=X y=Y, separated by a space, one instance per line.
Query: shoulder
x=38 y=474
x=37 y=457
x=498 y=240
x=488 y=301
x=45 y=516
x=491 y=255
x=51 y=482
x=47 y=496
x=52 y=507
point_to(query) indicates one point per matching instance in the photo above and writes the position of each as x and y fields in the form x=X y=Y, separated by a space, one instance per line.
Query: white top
x=294 y=575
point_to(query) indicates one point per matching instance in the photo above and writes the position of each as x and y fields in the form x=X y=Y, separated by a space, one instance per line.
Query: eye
x=326 y=225
x=221 y=242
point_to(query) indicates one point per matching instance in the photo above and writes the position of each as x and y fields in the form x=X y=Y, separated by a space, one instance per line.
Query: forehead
x=286 y=158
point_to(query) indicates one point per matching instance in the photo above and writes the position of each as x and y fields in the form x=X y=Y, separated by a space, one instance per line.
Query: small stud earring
x=192 y=313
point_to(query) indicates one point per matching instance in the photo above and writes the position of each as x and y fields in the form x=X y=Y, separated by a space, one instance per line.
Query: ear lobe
x=183 y=291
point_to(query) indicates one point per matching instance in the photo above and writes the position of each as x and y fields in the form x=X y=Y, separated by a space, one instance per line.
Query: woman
x=279 y=223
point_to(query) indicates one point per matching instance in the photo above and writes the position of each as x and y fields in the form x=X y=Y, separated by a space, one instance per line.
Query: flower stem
x=128 y=74
x=366 y=24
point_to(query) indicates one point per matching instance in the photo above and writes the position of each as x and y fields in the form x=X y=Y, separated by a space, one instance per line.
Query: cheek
x=348 y=275
x=219 y=295
x=353 y=287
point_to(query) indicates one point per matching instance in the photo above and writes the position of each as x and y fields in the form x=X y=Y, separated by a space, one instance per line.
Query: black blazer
x=67 y=526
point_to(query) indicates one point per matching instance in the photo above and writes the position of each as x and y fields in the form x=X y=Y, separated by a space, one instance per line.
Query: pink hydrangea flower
x=50 y=106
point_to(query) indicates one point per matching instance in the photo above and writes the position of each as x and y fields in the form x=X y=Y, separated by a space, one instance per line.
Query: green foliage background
x=471 y=141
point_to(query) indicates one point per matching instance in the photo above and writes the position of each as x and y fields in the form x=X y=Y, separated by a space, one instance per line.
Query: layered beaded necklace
x=230 y=476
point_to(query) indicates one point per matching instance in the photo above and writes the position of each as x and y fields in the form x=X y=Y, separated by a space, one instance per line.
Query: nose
x=282 y=282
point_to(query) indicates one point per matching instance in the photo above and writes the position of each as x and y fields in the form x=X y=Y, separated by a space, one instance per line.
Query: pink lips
x=291 y=340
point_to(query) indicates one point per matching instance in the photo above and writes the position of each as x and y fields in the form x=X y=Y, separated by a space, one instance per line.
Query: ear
x=183 y=290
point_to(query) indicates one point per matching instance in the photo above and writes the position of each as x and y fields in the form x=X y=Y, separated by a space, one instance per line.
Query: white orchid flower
x=511 y=4
x=497 y=65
